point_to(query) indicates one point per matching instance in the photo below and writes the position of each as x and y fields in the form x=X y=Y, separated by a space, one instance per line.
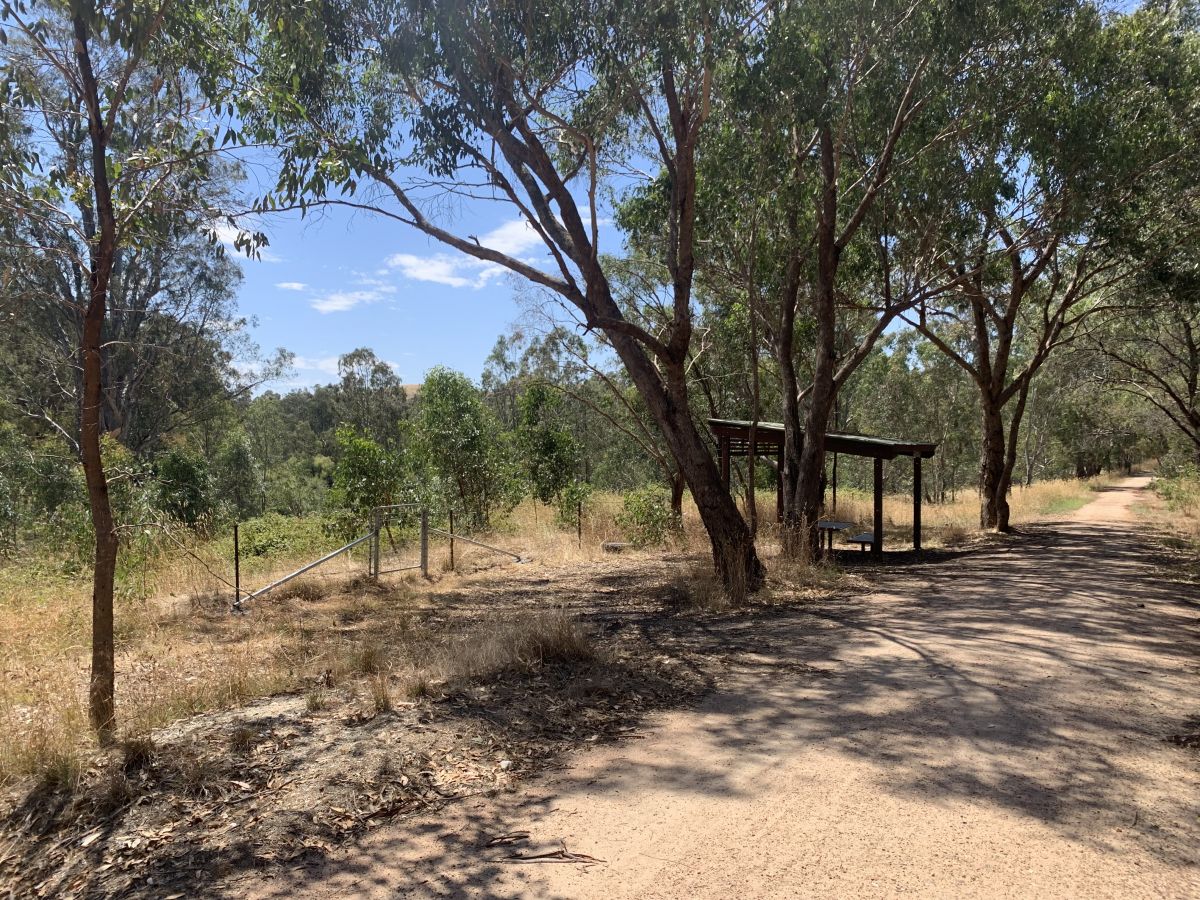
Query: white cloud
x=340 y=301
x=375 y=284
x=227 y=234
x=515 y=238
x=455 y=271
x=512 y=238
x=326 y=365
x=291 y=286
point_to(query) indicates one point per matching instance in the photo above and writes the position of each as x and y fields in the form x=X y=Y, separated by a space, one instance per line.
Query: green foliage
x=367 y=475
x=547 y=447
x=459 y=444
x=646 y=517
x=184 y=487
x=276 y=535
x=371 y=397
x=572 y=502
x=297 y=486
x=238 y=480
x=1181 y=489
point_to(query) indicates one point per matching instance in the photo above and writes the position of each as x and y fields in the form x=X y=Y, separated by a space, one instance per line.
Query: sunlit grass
x=180 y=651
x=1181 y=496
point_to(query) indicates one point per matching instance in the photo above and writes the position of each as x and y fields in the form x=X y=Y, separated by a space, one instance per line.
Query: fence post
x=451 y=540
x=373 y=565
x=424 y=542
x=579 y=523
x=237 y=566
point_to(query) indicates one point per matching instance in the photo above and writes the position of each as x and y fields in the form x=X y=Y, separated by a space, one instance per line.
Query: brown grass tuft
x=137 y=752
x=953 y=535
x=306 y=590
x=381 y=694
x=522 y=643
x=369 y=660
x=243 y=738
x=699 y=588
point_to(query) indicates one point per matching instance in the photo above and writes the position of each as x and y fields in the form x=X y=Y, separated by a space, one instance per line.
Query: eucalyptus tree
x=907 y=383
x=1055 y=189
x=811 y=201
x=547 y=448
x=618 y=444
x=1155 y=345
x=371 y=396
x=123 y=79
x=459 y=443
x=170 y=341
x=399 y=105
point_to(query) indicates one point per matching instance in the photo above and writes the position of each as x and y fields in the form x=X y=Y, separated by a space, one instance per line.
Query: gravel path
x=991 y=725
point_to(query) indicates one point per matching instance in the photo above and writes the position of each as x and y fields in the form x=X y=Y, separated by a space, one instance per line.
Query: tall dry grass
x=180 y=652
x=1181 y=495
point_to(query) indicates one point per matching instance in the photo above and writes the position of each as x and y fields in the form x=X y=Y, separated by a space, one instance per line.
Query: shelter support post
x=779 y=485
x=834 y=510
x=916 y=537
x=723 y=445
x=877 y=541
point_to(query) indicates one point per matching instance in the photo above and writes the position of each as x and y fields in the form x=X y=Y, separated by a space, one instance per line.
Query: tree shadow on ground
x=1040 y=678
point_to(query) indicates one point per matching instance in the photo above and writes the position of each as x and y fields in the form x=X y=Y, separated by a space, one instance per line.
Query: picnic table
x=828 y=528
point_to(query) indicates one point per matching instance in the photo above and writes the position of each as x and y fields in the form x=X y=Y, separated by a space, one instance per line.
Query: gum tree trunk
x=102 y=686
x=734 y=555
x=993 y=493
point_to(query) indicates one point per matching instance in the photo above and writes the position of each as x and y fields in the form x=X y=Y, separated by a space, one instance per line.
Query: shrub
x=646 y=517
x=459 y=444
x=574 y=496
x=274 y=534
x=238 y=480
x=1181 y=491
x=184 y=487
x=547 y=447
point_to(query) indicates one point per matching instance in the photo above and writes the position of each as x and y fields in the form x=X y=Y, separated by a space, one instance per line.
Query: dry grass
x=180 y=652
x=181 y=656
x=953 y=523
x=1181 y=497
x=700 y=588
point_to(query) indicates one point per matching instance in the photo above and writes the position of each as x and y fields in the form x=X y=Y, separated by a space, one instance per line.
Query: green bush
x=184 y=487
x=273 y=534
x=646 y=517
x=573 y=496
x=238 y=481
x=546 y=446
x=1181 y=490
x=461 y=453
x=367 y=475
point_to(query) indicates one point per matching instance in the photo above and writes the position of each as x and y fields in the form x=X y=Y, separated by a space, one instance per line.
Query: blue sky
x=342 y=279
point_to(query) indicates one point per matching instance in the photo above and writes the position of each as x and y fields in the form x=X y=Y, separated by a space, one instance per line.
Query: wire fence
x=398 y=540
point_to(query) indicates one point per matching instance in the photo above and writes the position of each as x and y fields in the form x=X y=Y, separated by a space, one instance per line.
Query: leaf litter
x=302 y=783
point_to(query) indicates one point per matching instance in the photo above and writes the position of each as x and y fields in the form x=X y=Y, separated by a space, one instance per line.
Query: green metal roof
x=769 y=436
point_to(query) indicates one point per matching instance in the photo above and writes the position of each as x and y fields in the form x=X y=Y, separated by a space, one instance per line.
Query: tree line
x=974 y=221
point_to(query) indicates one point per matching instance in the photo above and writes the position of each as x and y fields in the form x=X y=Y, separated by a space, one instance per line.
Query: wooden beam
x=917 y=503
x=723 y=443
x=779 y=485
x=835 y=482
x=877 y=544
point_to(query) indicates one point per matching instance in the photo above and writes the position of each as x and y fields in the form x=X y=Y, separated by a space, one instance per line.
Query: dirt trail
x=991 y=725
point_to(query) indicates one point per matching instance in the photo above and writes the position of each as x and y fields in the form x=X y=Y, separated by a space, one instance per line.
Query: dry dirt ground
x=1016 y=719
x=995 y=724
